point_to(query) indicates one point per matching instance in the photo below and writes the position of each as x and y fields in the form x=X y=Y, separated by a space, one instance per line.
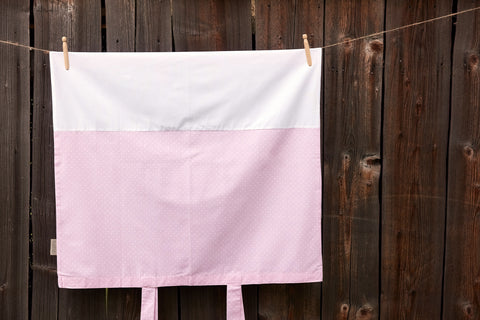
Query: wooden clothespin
x=65 y=53
x=307 y=49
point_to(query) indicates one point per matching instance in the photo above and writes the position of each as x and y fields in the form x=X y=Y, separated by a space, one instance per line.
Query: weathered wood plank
x=80 y=22
x=14 y=160
x=250 y=301
x=211 y=25
x=82 y=304
x=123 y=303
x=114 y=303
x=289 y=301
x=416 y=112
x=275 y=25
x=280 y=25
x=462 y=262
x=146 y=29
x=154 y=29
x=168 y=303
x=120 y=25
x=351 y=140
x=238 y=27
x=203 y=303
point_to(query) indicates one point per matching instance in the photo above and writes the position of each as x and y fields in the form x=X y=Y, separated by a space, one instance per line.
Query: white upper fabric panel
x=222 y=90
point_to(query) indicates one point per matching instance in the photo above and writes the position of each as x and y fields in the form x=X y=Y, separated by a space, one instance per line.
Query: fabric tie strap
x=235 y=303
x=149 y=304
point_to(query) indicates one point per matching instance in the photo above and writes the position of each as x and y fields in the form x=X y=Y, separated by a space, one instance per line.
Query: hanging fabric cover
x=193 y=168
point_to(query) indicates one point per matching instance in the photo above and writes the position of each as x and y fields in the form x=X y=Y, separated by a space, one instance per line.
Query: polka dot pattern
x=188 y=207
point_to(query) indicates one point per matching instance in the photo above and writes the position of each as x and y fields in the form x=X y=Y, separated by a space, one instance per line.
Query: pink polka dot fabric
x=199 y=168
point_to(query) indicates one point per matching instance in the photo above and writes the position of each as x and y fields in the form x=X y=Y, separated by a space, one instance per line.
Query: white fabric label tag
x=53 y=247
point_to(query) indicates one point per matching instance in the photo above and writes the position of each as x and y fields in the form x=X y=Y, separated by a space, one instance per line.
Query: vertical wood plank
x=14 y=160
x=154 y=29
x=462 y=262
x=289 y=301
x=120 y=25
x=168 y=303
x=123 y=303
x=275 y=25
x=82 y=304
x=250 y=301
x=416 y=112
x=280 y=25
x=203 y=303
x=144 y=26
x=211 y=25
x=238 y=27
x=80 y=22
x=352 y=128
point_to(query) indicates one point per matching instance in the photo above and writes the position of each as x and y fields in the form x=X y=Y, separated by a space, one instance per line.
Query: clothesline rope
x=16 y=44
x=324 y=47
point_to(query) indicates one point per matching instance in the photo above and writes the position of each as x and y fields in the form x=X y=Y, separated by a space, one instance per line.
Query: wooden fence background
x=401 y=152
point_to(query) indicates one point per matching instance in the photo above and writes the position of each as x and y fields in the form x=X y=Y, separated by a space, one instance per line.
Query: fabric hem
x=199 y=280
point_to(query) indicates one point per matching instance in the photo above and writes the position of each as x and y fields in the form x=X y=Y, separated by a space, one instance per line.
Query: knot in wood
x=365 y=313
x=473 y=61
x=371 y=160
x=468 y=151
x=376 y=46
x=468 y=310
